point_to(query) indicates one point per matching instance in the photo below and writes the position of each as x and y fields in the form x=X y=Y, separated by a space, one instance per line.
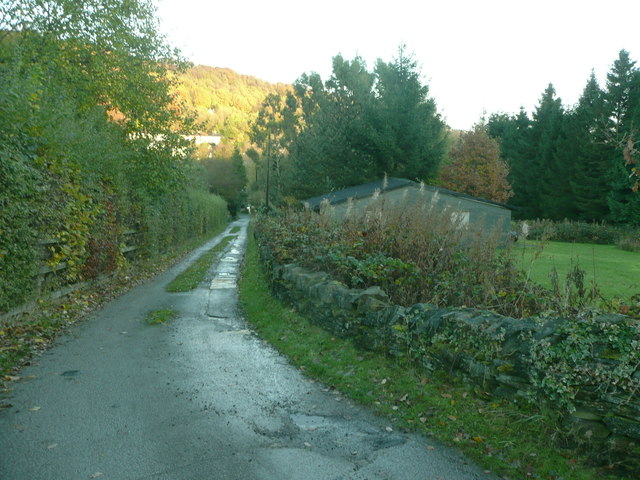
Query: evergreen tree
x=546 y=186
x=622 y=104
x=409 y=133
x=514 y=133
x=361 y=125
x=585 y=146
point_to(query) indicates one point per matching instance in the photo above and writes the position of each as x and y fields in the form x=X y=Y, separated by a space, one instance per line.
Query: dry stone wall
x=522 y=359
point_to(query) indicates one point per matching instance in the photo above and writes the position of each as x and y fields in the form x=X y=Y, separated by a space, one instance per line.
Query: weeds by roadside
x=158 y=317
x=415 y=254
x=517 y=441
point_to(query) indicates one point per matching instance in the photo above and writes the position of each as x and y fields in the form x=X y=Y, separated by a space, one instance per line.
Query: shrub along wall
x=587 y=366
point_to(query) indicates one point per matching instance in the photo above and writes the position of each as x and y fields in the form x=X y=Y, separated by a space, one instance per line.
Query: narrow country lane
x=201 y=397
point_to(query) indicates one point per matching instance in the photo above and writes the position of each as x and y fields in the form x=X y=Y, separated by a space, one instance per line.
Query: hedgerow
x=574 y=231
x=92 y=145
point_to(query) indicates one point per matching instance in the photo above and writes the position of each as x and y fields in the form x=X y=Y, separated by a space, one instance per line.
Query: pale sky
x=475 y=55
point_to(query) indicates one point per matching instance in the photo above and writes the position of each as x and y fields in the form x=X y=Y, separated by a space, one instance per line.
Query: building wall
x=470 y=214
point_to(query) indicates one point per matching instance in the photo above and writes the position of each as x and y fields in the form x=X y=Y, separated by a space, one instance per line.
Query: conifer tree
x=514 y=133
x=585 y=146
x=547 y=176
x=622 y=104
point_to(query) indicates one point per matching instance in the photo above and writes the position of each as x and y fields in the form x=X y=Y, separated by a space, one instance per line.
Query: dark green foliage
x=227 y=177
x=577 y=163
x=514 y=135
x=548 y=194
x=409 y=132
x=585 y=145
x=622 y=104
x=354 y=128
x=19 y=195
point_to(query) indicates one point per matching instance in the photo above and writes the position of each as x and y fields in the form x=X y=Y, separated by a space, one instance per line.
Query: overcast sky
x=489 y=55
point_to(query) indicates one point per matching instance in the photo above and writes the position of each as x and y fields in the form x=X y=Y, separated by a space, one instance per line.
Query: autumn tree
x=475 y=167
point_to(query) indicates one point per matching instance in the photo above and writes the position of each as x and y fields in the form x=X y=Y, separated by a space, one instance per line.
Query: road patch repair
x=199 y=397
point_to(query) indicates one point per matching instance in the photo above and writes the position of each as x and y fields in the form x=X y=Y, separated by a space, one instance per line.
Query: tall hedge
x=93 y=143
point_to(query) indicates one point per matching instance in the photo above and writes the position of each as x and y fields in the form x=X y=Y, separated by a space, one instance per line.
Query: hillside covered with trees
x=225 y=102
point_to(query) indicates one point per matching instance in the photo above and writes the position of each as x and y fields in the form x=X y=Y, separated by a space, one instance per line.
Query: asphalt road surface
x=201 y=397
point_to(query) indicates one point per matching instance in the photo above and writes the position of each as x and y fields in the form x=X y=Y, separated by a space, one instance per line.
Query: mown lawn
x=616 y=272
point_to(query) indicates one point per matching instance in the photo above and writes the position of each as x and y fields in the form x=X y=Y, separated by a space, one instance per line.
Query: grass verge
x=194 y=274
x=516 y=441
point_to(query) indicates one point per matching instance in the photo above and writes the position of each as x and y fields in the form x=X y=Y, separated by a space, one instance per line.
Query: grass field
x=616 y=272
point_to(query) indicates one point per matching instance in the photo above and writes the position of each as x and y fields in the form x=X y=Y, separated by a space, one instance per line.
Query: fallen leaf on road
x=96 y=475
x=389 y=429
x=34 y=409
x=307 y=444
x=52 y=446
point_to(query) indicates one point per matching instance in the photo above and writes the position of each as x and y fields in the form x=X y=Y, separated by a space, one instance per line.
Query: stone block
x=623 y=426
